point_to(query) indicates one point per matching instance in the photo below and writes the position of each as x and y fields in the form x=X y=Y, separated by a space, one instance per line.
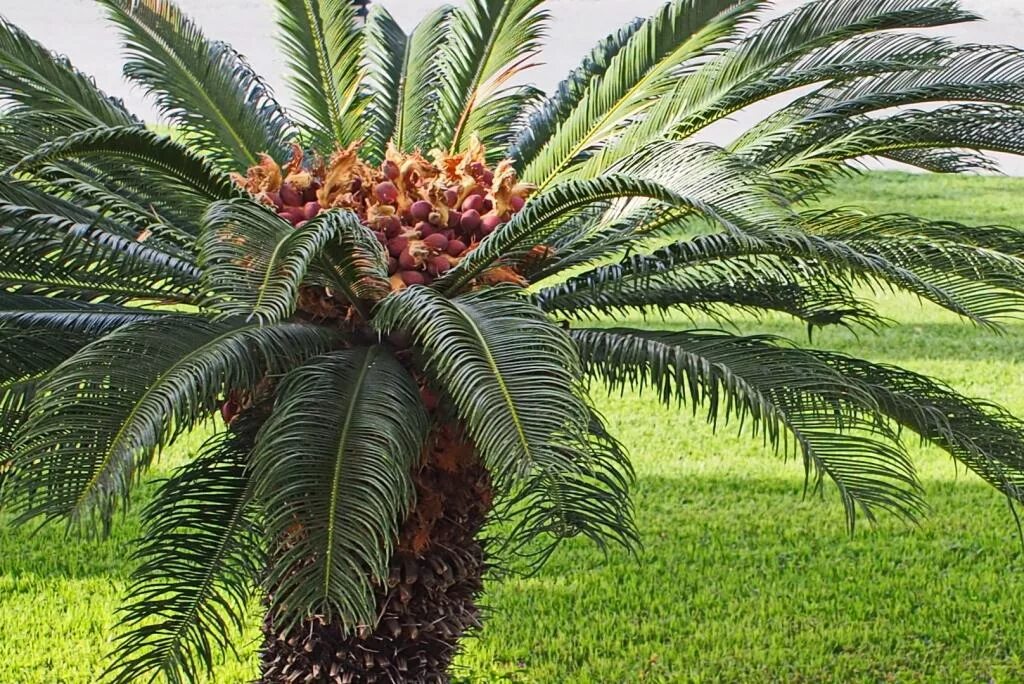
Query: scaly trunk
x=429 y=602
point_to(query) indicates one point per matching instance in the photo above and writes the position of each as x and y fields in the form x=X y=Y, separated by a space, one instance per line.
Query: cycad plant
x=395 y=299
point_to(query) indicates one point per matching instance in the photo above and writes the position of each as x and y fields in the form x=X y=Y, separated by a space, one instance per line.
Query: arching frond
x=488 y=42
x=254 y=263
x=98 y=420
x=324 y=50
x=32 y=79
x=796 y=401
x=207 y=90
x=36 y=313
x=110 y=149
x=652 y=60
x=510 y=373
x=199 y=559
x=543 y=123
x=332 y=471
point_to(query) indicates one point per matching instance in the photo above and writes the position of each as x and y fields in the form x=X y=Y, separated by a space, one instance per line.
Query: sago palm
x=397 y=297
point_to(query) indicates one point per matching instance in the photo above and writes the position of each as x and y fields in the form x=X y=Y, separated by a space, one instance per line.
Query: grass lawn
x=742 y=579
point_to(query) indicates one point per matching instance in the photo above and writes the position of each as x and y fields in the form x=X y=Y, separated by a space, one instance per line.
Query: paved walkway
x=77 y=28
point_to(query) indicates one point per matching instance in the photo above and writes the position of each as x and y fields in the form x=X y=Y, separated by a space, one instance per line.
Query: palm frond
x=796 y=401
x=403 y=83
x=542 y=123
x=199 y=559
x=109 y=149
x=33 y=79
x=652 y=60
x=510 y=374
x=254 y=262
x=98 y=420
x=36 y=313
x=591 y=500
x=323 y=46
x=207 y=90
x=488 y=42
x=332 y=470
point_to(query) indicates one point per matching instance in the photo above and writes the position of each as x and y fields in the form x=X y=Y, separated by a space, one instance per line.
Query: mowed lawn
x=742 y=578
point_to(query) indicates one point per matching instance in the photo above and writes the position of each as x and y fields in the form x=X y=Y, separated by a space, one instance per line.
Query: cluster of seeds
x=428 y=214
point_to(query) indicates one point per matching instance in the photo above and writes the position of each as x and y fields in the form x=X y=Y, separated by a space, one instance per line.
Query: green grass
x=742 y=579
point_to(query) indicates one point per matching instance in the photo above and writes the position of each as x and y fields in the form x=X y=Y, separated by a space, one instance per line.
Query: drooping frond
x=99 y=418
x=794 y=399
x=199 y=559
x=977 y=282
x=207 y=91
x=977 y=433
x=652 y=60
x=592 y=499
x=111 y=150
x=253 y=262
x=510 y=373
x=323 y=45
x=332 y=471
x=35 y=81
x=403 y=84
x=488 y=43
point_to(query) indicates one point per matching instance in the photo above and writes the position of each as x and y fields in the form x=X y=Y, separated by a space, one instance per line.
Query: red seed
x=516 y=203
x=451 y=197
x=406 y=260
x=438 y=264
x=397 y=245
x=473 y=202
x=489 y=223
x=436 y=241
x=291 y=196
x=470 y=220
x=301 y=223
x=420 y=210
x=390 y=169
x=386 y=192
x=228 y=410
x=292 y=215
x=454 y=217
x=390 y=225
x=381 y=237
x=311 y=209
x=487 y=206
x=392 y=265
x=412 y=277
x=487 y=177
x=275 y=197
x=477 y=168
x=456 y=247
x=425 y=229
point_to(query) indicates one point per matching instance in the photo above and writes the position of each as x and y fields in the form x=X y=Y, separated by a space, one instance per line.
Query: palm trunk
x=429 y=601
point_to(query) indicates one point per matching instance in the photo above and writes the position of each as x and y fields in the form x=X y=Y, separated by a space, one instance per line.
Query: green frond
x=406 y=74
x=488 y=42
x=652 y=60
x=979 y=434
x=110 y=149
x=332 y=470
x=794 y=400
x=253 y=262
x=207 y=91
x=509 y=372
x=36 y=313
x=592 y=499
x=323 y=46
x=539 y=218
x=542 y=123
x=49 y=254
x=199 y=559
x=101 y=416
x=33 y=79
